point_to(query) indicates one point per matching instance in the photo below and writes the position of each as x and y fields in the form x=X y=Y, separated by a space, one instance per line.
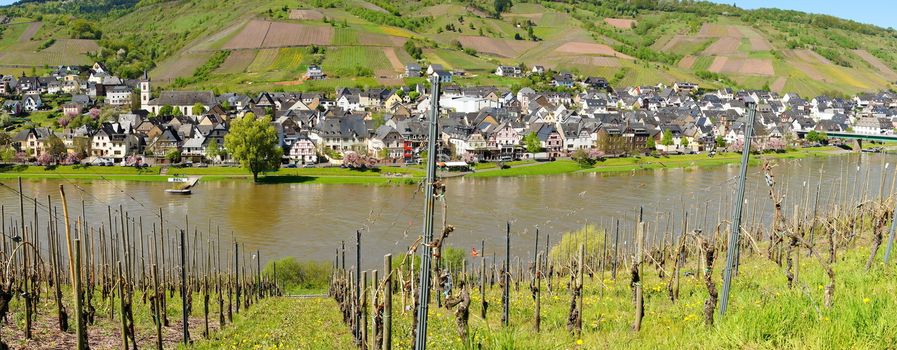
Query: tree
x=176 y=112
x=166 y=110
x=500 y=6
x=532 y=143
x=212 y=149
x=684 y=142
x=198 y=109
x=720 y=142
x=173 y=156
x=583 y=158
x=816 y=137
x=254 y=143
x=55 y=148
x=667 y=139
x=7 y=154
x=650 y=144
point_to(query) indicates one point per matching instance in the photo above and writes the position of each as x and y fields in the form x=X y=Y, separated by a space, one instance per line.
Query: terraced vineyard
x=614 y=39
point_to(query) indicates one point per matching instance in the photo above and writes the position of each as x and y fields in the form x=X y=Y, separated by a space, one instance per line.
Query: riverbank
x=389 y=175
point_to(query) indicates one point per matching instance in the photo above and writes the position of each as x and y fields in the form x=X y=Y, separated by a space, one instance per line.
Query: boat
x=182 y=185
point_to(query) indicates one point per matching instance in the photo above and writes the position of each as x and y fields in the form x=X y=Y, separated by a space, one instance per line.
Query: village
x=101 y=119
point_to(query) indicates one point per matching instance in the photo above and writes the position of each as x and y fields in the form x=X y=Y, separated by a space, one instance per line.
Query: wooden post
x=613 y=275
x=237 y=276
x=636 y=275
x=537 y=292
x=579 y=286
x=76 y=287
x=158 y=303
x=362 y=303
x=387 y=302
x=185 y=316
x=506 y=293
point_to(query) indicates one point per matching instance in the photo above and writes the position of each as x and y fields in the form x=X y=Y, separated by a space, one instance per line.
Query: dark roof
x=185 y=98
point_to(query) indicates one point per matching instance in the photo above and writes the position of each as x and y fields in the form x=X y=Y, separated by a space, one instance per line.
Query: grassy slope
x=763 y=313
x=184 y=28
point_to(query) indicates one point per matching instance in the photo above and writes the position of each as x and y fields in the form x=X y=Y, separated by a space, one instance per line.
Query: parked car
x=308 y=166
x=290 y=166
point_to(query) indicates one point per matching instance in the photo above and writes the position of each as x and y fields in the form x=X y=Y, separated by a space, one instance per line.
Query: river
x=309 y=221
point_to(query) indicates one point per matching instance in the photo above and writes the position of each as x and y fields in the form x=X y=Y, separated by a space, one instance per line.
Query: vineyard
x=118 y=282
x=811 y=277
x=813 y=271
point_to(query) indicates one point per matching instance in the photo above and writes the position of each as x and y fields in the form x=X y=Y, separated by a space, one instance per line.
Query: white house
x=118 y=95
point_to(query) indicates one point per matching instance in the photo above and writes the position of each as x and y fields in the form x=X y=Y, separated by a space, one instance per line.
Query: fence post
x=387 y=302
x=185 y=316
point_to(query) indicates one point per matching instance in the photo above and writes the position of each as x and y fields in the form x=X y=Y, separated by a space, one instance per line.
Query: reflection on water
x=309 y=221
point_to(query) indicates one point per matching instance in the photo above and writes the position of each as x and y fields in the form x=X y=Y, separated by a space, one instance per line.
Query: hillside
x=247 y=45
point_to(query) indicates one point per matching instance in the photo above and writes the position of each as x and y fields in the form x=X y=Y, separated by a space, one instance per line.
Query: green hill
x=365 y=43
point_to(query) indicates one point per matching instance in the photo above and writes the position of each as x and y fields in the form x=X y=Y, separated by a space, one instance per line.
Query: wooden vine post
x=636 y=275
x=75 y=275
x=537 y=291
x=387 y=302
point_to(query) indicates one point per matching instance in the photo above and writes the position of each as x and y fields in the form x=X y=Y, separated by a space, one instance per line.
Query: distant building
x=412 y=71
x=314 y=72
x=118 y=95
x=508 y=71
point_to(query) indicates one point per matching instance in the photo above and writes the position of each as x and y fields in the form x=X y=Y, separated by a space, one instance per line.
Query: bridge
x=858 y=138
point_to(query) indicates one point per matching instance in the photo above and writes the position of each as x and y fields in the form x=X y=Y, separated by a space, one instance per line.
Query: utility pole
x=734 y=233
x=420 y=338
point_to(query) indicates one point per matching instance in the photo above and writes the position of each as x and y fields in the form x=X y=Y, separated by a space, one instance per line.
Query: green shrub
x=294 y=276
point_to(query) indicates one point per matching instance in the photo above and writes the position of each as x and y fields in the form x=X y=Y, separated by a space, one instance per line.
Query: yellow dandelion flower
x=578 y=341
x=866 y=300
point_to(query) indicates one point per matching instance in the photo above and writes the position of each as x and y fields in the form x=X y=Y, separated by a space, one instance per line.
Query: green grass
x=763 y=313
x=264 y=326
x=343 y=61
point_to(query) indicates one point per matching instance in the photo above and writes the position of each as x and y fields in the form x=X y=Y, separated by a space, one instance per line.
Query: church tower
x=145 y=92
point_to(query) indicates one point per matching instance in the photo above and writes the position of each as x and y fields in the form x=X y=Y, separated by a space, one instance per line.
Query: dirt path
x=30 y=31
x=393 y=59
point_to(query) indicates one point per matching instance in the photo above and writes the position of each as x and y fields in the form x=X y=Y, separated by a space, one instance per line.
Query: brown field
x=179 y=66
x=374 y=39
x=873 y=61
x=596 y=61
x=213 y=41
x=237 y=62
x=807 y=69
x=29 y=32
x=810 y=56
x=498 y=47
x=291 y=34
x=687 y=62
x=393 y=59
x=751 y=66
x=250 y=37
x=726 y=45
x=264 y=34
x=61 y=53
x=710 y=30
x=758 y=42
x=589 y=49
x=779 y=84
x=681 y=42
x=73 y=46
x=621 y=23
x=306 y=15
